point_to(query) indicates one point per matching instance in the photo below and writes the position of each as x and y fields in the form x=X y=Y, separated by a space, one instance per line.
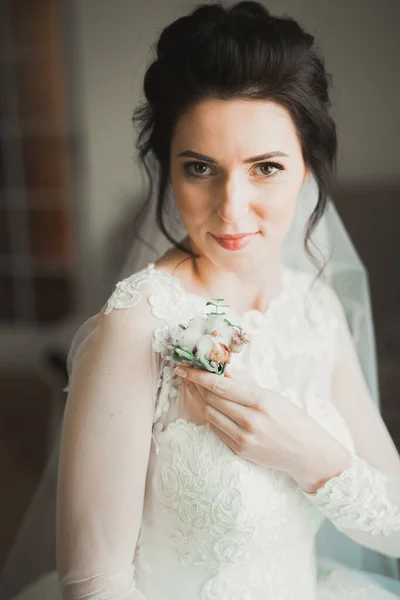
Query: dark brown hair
x=237 y=52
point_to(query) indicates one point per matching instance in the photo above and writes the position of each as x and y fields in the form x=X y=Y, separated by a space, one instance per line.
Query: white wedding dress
x=216 y=526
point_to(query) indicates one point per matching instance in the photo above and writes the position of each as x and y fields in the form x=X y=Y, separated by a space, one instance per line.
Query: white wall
x=359 y=39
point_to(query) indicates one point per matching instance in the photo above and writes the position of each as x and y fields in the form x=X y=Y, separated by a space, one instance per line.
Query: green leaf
x=184 y=353
x=189 y=362
x=233 y=325
x=197 y=363
x=175 y=359
x=206 y=364
x=186 y=349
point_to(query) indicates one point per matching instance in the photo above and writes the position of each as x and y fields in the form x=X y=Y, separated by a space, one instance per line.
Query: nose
x=234 y=220
x=233 y=205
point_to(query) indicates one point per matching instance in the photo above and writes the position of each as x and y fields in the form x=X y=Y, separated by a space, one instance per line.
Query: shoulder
x=130 y=291
x=143 y=299
x=121 y=327
x=128 y=314
x=143 y=290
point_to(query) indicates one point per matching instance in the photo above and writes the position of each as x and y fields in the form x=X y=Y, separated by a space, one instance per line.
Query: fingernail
x=180 y=372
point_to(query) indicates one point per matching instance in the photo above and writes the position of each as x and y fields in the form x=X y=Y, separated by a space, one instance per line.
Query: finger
x=224 y=423
x=225 y=438
x=226 y=387
x=234 y=416
x=203 y=395
x=195 y=392
x=213 y=415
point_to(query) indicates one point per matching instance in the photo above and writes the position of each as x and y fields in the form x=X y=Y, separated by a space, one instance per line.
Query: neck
x=251 y=287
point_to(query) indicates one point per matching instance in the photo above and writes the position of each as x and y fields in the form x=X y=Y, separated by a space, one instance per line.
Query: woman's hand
x=267 y=428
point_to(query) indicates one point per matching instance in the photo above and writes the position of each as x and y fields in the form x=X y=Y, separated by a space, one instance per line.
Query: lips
x=234 y=237
x=237 y=242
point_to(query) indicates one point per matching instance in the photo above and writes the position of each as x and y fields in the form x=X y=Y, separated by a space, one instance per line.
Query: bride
x=178 y=484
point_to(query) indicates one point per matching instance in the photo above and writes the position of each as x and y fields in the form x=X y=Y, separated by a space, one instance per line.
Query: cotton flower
x=210 y=348
x=217 y=323
x=207 y=341
x=204 y=346
x=187 y=338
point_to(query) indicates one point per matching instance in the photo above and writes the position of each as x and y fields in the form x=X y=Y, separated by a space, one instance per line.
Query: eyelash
x=188 y=164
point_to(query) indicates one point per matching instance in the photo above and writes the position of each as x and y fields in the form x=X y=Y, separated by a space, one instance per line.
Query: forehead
x=235 y=126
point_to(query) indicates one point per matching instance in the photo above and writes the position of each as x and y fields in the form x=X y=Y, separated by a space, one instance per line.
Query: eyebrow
x=252 y=159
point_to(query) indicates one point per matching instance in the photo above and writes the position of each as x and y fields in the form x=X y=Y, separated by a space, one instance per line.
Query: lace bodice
x=232 y=526
x=216 y=526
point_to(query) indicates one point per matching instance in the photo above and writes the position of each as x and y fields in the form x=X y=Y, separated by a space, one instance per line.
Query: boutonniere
x=207 y=341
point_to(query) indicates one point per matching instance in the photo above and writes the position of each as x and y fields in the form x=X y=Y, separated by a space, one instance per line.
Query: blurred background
x=71 y=73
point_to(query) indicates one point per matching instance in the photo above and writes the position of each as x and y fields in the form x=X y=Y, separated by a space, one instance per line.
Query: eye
x=195 y=168
x=196 y=172
x=271 y=165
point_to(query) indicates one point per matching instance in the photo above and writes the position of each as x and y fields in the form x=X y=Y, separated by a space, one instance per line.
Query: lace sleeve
x=105 y=446
x=364 y=500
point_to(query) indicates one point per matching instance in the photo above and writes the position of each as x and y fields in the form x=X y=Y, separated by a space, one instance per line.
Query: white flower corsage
x=207 y=341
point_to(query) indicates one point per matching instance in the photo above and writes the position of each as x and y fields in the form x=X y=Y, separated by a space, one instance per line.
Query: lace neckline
x=274 y=302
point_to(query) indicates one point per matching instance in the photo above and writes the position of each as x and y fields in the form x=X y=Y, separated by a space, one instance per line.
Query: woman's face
x=223 y=185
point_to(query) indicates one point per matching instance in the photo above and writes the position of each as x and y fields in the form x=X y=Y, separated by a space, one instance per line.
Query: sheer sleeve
x=364 y=500
x=105 y=446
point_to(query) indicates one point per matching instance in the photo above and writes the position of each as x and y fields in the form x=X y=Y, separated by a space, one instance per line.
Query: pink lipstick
x=234 y=242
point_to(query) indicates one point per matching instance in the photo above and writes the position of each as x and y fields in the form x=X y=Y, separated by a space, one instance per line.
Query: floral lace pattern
x=347 y=500
x=234 y=519
x=126 y=293
x=226 y=528
x=204 y=506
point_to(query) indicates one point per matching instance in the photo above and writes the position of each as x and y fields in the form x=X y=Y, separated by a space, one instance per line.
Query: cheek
x=277 y=214
x=195 y=208
x=279 y=210
x=193 y=213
